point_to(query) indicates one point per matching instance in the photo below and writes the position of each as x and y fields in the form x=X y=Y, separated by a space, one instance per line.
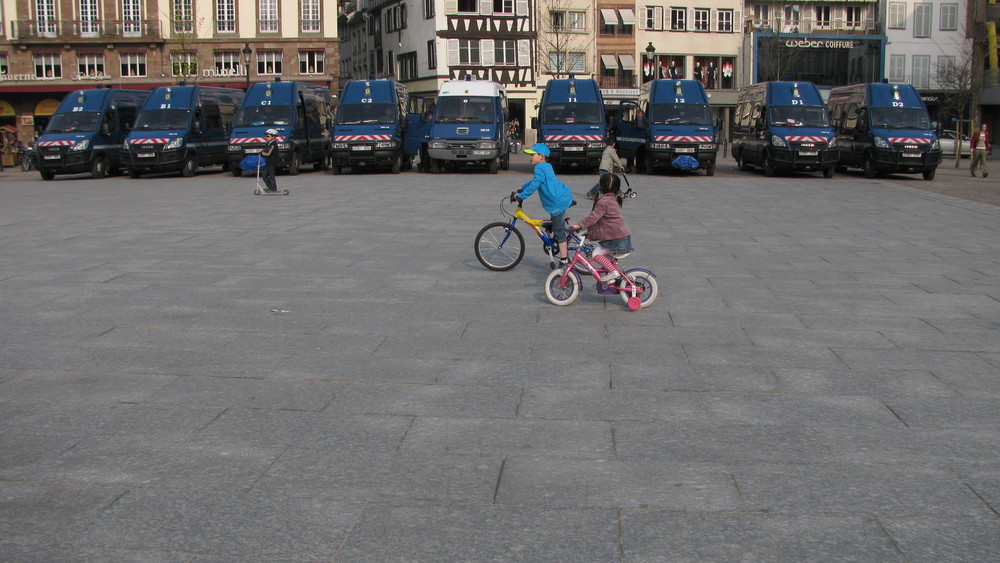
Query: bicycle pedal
x=605 y=290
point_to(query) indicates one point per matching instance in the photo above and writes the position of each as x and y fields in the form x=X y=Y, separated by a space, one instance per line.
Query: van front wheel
x=99 y=169
x=294 y=164
x=189 y=167
x=869 y=168
x=929 y=174
x=769 y=170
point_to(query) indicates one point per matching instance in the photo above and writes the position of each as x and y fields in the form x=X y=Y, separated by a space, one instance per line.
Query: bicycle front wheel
x=499 y=247
x=564 y=293
x=646 y=287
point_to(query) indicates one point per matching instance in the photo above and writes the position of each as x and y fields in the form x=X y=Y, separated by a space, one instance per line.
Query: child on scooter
x=607 y=227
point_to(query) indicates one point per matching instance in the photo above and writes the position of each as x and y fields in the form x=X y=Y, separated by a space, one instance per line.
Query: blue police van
x=470 y=127
x=671 y=118
x=884 y=128
x=377 y=125
x=571 y=122
x=86 y=132
x=784 y=126
x=181 y=128
x=301 y=112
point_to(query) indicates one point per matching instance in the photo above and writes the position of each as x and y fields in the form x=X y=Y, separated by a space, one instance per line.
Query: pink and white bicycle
x=637 y=286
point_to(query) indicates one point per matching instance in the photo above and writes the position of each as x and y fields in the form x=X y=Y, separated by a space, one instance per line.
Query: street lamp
x=247 y=51
x=649 y=69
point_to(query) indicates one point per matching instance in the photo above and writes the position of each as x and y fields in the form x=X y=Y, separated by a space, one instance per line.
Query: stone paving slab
x=190 y=373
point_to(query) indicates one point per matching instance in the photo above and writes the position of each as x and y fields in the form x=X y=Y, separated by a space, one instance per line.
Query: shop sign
x=17 y=77
x=94 y=76
x=234 y=72
x=620 y=92
x=822 y=43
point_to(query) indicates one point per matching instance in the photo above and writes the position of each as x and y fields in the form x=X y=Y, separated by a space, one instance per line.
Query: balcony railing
x=609 y=82
x=806 y=25
x=32 y=30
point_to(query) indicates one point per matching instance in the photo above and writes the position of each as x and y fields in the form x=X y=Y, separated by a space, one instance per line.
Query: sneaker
x=610 y=276
x=563 y=262
x=985 y=174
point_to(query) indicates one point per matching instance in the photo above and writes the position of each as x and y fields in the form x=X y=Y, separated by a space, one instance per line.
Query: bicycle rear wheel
x=646 y=287
x=499 y=247
x=565 y=294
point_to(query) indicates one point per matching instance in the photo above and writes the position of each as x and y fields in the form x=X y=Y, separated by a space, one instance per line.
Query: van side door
x=418 y=123
x=626 y=129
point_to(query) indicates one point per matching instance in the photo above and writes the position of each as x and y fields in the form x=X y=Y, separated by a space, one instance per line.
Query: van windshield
x=900 y=118
x=74 y=122
x=460 y=109
x=680 y=114
x=262 y=116
x=562 y=114
x=162 y=119
x=799 y=116
x=353 y=114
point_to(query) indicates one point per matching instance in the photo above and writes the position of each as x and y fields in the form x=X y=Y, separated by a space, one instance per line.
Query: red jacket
x=605 y=222
x=986 y=141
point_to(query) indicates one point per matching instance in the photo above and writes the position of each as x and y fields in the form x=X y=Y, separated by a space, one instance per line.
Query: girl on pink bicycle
x=606 y=226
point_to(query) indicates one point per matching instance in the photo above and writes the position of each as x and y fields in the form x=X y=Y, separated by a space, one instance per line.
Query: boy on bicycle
x=555 y=195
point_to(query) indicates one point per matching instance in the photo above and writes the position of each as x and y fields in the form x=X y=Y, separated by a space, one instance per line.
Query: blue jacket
x=555 y=195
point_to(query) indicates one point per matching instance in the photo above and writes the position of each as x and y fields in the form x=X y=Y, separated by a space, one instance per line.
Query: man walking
x=980 y=148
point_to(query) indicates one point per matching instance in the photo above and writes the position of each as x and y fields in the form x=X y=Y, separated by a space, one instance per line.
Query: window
x=701 y=19
x=408 y=66
x=428 y=9
x=791 y=21
x=945 y=69
x=897 y=68
x=921 y=71
x=822 y=16
x=267 y=18
x=761 y=15
x=854 y=18
x=432 y=59
x=578 y=62
x=503 y=7
x=133 y=64
x=505 y=52
x=4 y=64
x=653 y=17
x=725 y=21
x=311 y=62
x=949 y=17
x=395 y=18
x=922 y=15
x=45 y=17
x=229 y=63
x=557 y=20
x=678 y=19
x=468 y=6
x=48 y=65
x=560 y=63
x=269 y=62
x=578 y=21
x=183 y=64
x=716 y=73
x=90 y=64
x=310 y=15
x=897 y=15
x=468 y=52
x=225 y=16
x=90 y=18
x=182 y=16
x=132 y=18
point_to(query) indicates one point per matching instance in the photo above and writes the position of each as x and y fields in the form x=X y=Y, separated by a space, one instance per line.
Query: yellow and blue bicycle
x=500 y=246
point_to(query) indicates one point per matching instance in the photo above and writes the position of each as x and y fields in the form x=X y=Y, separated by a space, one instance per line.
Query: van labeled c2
x=884 y=128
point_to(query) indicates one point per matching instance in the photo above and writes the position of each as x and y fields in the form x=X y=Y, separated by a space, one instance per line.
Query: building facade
x=51 y=47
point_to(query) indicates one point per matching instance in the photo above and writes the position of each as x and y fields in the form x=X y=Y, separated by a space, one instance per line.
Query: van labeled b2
x=884 y=128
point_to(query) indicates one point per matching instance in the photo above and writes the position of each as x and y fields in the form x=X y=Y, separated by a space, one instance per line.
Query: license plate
x=145 y=155
x=911 y=155
x=253 y=151
x=361 y=147
x=808 y=153
x=685 y=149
x=573 y=149
x=51 y=157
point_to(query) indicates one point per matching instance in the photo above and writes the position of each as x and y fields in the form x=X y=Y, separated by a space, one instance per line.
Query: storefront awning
x=6 y=110
x=610 y=62
x=48 y=106
x=628 y=62
x=610 y=16
x=628 y=16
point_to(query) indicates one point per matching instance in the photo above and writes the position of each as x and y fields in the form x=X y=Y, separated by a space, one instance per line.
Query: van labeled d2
x=884 y=128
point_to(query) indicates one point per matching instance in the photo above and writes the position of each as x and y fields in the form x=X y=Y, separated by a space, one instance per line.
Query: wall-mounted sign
x=822 y=43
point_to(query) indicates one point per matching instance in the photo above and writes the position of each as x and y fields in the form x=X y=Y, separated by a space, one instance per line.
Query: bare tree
x=560 y=39
x=183 y=46
x=963 y=81
x=777 y=23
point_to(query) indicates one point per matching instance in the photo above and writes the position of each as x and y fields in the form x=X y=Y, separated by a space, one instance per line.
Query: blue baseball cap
x=539 y=148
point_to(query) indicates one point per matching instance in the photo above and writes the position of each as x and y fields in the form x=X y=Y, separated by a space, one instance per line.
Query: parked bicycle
x=637 y=286
x=500 y=246
x=28 y=160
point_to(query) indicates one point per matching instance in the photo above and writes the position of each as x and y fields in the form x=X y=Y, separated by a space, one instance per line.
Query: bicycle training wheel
x=498 y=247
x=646 y=288
x=565 y=294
